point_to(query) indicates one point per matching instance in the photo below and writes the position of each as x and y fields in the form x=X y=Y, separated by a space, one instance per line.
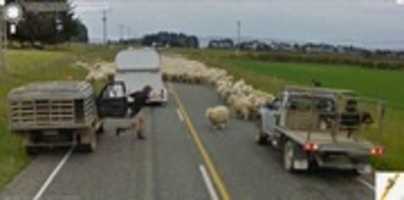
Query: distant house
x=221 y=44
x=254 y=45
x=319 y=48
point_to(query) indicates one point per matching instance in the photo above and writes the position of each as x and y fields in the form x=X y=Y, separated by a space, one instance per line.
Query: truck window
x=114 y=91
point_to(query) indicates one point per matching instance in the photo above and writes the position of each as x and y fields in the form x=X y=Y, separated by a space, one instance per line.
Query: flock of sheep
x=98 y=71
x=241 y=99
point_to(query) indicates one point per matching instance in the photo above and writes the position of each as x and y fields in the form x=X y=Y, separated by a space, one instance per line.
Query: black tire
x=289 y=156
x=261 y=139
x=101 y=129
x=89 y=147
x=32 y=151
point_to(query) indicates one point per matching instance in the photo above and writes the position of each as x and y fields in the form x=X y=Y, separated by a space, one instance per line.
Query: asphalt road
x=170 y=163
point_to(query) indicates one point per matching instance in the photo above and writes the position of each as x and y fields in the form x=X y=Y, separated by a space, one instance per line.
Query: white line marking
x=208 y=183
x=53 y=174
x=367 y=184
x=180 y=115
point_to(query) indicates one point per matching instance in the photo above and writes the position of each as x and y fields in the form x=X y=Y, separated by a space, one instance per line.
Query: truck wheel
x=101 y=129
x=91 y=146
x=261 y=139
x=32 y=151
x=289 y=156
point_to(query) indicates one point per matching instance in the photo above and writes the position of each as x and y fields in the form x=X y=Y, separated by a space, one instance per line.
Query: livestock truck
x=321 y=127
x=63 y=113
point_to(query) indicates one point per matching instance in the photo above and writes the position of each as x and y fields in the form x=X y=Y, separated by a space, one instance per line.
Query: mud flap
x=301 y=162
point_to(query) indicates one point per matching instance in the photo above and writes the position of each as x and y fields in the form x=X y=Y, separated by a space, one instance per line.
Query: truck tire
x=32 y=151
x=261 y=139
x=91 y=146
x=289 y=156
x=101 y=129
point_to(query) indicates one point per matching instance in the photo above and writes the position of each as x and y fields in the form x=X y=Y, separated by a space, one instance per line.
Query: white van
x=139 y=68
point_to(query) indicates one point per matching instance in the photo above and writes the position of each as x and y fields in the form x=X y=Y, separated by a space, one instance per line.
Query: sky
x=368 y=23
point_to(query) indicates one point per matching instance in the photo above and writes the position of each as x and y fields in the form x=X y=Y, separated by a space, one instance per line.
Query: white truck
x=139 y=68
x=319 y=127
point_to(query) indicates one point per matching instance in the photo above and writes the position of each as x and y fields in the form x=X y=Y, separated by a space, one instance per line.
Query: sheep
x=241 y=107
x=218 y=116
x=241 y=97
x=90 y=78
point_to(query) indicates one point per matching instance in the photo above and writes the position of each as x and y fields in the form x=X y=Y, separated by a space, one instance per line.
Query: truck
x=139 y=68
x=63 y=113
x=321 y=128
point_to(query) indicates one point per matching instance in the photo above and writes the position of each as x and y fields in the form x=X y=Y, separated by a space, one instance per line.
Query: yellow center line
x=217 y=180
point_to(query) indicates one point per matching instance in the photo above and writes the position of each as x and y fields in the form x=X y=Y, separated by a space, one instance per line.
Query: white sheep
x=241 y=107
x=242 y=98
x=218 y=116
x=90 y=78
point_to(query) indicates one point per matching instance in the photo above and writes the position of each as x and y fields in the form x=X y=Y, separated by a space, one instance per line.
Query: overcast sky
x=371 y=23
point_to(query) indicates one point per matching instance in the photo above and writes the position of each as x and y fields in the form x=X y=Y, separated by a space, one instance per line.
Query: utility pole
x=104 y=26
x=238 y=36
x=121 y=31
x=3 y=38
x=129 y=29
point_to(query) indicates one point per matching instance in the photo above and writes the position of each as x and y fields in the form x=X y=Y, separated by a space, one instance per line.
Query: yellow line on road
x=220 y=186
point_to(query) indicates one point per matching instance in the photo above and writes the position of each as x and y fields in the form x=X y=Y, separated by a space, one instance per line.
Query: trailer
x=321 y=127
x=139 y=68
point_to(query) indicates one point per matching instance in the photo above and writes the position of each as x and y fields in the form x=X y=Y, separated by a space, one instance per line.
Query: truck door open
x=112 y=101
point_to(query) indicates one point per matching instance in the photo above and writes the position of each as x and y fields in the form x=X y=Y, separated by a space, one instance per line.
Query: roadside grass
x=26 y=66
x=273 y=76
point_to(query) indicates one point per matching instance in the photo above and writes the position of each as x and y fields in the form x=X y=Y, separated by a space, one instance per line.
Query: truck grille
x=42 y=112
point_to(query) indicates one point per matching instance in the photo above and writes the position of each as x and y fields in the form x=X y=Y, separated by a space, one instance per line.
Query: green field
x=272 y=76
x=30 y=65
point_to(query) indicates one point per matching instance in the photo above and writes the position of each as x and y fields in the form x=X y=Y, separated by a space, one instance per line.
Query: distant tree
x=170 y=39
x=50 y=27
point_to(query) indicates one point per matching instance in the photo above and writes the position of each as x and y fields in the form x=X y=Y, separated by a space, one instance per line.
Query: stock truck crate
x=52 y=114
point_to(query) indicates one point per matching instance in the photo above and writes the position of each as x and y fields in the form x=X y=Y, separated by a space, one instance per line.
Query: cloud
x=400 y=2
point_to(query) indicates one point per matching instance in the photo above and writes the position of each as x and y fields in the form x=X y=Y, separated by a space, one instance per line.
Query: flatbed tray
x=325 y=140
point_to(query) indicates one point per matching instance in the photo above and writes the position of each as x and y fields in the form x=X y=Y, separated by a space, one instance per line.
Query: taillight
x=377 y=151
x=162 y=93
x=310 y=147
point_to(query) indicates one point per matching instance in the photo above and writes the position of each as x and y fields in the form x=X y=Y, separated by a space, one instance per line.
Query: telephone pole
x=121 y=31
x=238 y=36
x=104 y=26
x=3 y=39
